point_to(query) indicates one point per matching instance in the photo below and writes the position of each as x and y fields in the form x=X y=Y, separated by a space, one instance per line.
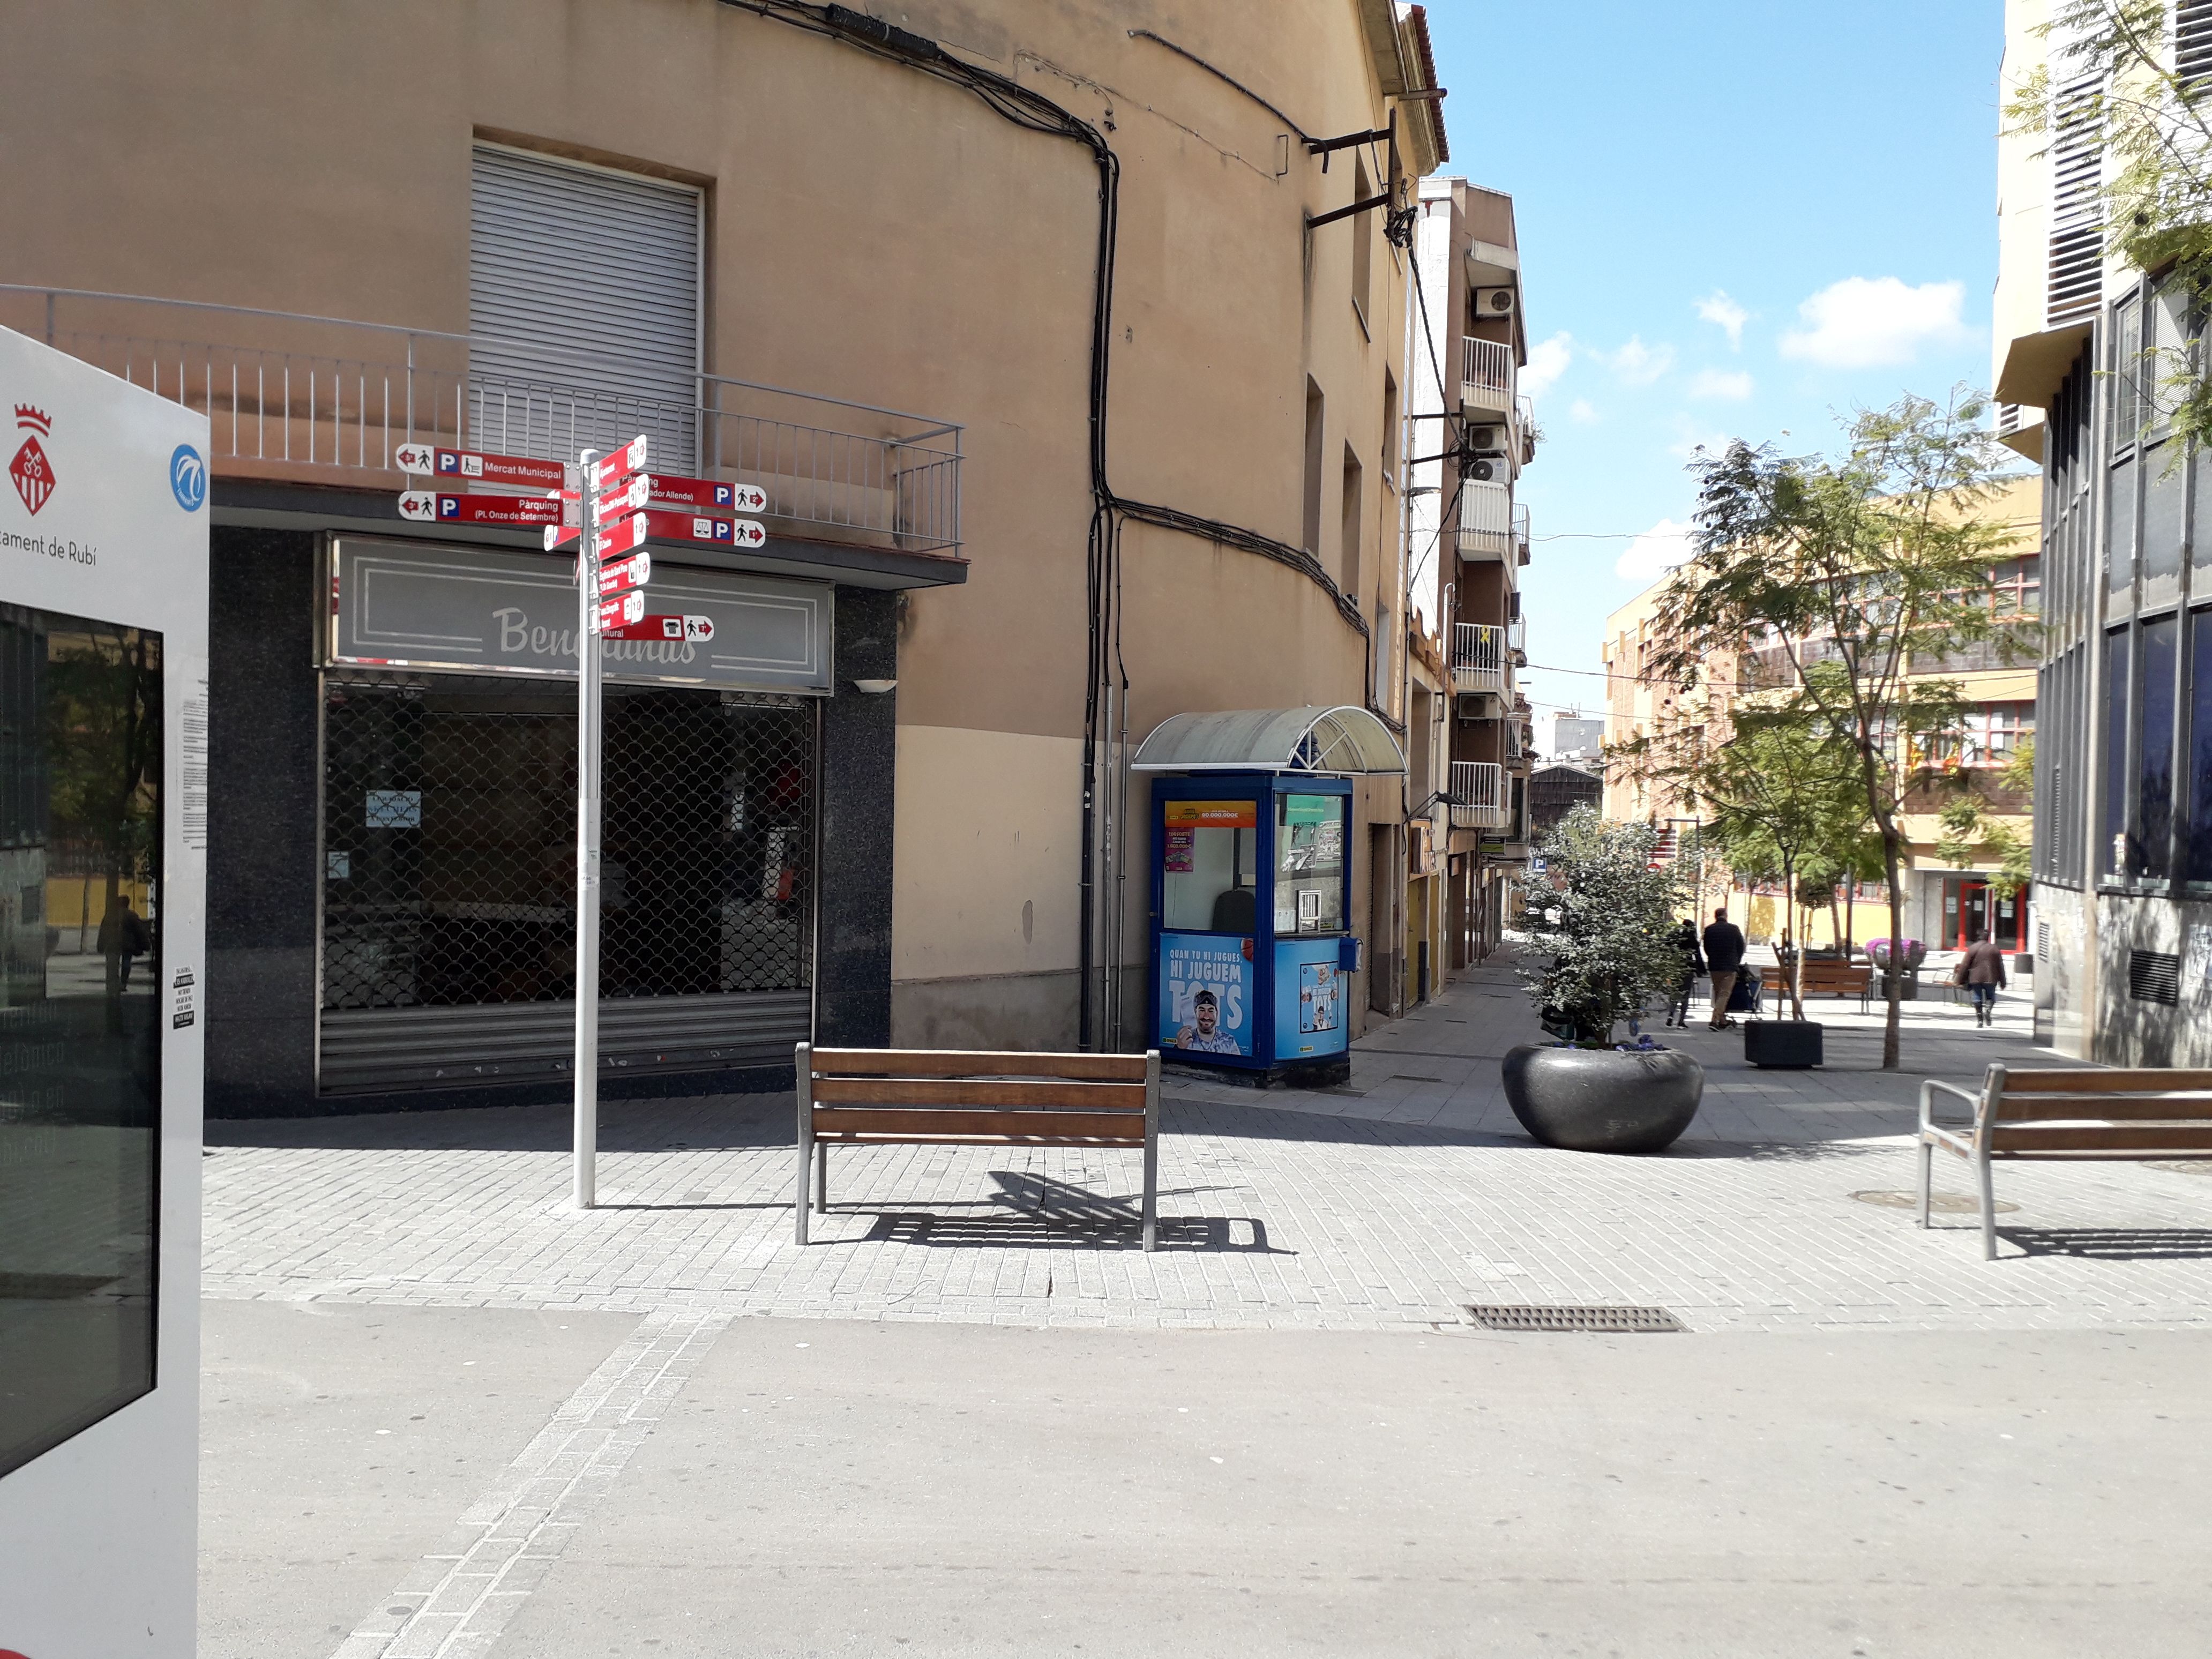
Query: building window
x=1989 y=737
x=2112 y=857
x=1354 y=476
x=2200 y=748
x=1314 y=405
x=2152 y=833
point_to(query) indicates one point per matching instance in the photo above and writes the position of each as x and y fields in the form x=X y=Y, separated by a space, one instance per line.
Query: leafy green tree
x=1833 y=578
x=1606 y=926
x=2113 y=85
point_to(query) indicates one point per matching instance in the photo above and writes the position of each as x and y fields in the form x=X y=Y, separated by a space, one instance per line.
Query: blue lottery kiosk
x=1253 y=951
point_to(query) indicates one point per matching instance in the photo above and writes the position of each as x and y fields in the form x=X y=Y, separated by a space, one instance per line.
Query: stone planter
x=1783 y=1044
x=1603 y=1100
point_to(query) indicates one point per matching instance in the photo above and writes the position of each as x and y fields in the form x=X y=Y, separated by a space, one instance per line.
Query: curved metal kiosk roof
x=1338 y=741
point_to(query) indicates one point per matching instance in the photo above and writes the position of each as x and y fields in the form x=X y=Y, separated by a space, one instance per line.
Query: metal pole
x=587 y=841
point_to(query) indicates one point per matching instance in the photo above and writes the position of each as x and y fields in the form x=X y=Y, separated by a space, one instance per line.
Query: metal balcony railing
x=1487 y=519
x=1486 y=374
x=1482 y=795
x=1521 y=535
x=1478 y=658
x=1524 y=430
x=1516 y=641
x=307 y=398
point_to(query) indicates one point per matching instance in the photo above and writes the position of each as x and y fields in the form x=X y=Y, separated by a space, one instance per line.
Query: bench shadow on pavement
x=2114 y=1243
x=1034 y=1212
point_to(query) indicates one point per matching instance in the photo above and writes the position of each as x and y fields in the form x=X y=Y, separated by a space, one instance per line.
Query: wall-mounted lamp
x=874 y=688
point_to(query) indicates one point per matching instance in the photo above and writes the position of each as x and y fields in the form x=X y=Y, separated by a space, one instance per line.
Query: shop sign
x=501 y=610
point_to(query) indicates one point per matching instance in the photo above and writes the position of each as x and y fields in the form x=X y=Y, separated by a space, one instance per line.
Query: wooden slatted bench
x=2088 y=1114
x=951 y=1097
x=1841 y=979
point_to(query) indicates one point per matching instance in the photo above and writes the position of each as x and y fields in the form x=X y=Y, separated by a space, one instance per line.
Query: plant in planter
x=1607 y=932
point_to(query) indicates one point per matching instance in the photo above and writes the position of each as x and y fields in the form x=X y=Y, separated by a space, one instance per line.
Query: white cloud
x=1655 y=552
x=1638 y=364
x=1547 y=361
x=1862 y=323
x=1717 y=307
x=1583 y=412
x=1720 y=383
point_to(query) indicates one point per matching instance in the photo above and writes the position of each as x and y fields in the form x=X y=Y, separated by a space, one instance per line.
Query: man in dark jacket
x=1981 y=970
x=1693 y=963
x=1725 y=961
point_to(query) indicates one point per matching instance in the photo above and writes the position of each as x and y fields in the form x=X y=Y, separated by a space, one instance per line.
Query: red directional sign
x=623 y=535
x=560 y=535
x=477 y=467
x=624 y=497
x=620 y=611
x=625 y=574
x=694 y=527
x=435 y=507
x=709 y=493
x=695 y=629
x=630 y=458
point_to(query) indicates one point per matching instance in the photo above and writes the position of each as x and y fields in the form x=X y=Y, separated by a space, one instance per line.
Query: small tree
x=1610 y=945
x=1842 y=577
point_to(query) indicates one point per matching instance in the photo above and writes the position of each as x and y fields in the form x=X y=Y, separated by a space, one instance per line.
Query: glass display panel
x=2112 y=856
x=1310 y=863
x=79 y=1038
x=1210 y=862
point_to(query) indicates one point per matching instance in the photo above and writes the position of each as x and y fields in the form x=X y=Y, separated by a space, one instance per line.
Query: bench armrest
x=1928 y=1118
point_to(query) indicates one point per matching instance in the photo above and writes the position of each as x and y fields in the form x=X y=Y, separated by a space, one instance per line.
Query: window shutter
x=584 y=307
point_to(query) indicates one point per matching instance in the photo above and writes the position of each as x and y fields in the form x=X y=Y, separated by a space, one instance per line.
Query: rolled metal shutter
x=583 y=307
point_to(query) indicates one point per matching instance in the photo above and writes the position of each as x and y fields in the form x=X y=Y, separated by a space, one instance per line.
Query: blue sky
x=1744 y=217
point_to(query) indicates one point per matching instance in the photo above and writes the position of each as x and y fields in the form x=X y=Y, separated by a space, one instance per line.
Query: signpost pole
x=588 y=843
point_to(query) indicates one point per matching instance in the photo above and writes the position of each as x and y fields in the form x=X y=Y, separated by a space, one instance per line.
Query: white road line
x=457 y=1601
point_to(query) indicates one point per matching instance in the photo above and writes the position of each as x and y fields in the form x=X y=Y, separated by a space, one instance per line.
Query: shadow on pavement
x=2114 y=1244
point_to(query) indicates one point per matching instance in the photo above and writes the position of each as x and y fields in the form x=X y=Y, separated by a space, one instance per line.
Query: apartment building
x=1063 y=355
x=2123 y=806
x=1470 y=727
x=1947 y=903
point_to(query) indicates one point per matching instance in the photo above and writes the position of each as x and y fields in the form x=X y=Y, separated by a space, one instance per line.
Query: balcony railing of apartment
x=1524 y=430
x=1521 y=535
x=1516 y=640
x=1487 y=378
x=1478 y=658
x=305 y=398
x=1482 y=795
x=1488 y=520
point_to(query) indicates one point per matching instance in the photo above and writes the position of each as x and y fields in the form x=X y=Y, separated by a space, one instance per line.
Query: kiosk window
x=79 y=1031
x=1310 y=863
x=1209 y=858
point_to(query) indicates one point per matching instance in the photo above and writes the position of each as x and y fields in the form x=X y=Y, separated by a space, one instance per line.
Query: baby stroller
x=1750 y=992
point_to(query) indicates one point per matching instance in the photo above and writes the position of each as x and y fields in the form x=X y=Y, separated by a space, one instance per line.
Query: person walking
x=1724 y=961
x=1982 y=971
x=1693 y=963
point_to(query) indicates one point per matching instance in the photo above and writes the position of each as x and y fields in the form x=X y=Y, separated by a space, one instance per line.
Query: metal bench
x=951 y=1097
x=2089 y=1114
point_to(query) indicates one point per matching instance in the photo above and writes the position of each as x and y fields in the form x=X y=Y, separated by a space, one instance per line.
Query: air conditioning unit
x=1487 y=440
x=1494 y=302
x=1485 y=471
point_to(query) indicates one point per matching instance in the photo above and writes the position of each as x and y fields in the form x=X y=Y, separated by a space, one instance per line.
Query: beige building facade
x=1063 y=343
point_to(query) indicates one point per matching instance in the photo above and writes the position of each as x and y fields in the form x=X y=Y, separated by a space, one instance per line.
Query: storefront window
x=1310 y=864
x=2153 y=832
x=80 y=1042
x=1210 y=866
x=2115 y=852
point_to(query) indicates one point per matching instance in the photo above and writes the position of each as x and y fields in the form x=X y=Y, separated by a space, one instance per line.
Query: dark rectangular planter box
x=1788 y=1044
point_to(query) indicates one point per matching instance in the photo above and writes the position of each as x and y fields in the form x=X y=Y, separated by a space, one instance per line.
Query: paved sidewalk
x=1392 y=1202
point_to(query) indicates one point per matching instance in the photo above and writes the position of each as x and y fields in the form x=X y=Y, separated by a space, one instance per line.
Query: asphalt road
x=822 y=1487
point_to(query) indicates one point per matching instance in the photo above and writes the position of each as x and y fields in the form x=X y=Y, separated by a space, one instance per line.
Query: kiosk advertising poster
x=103 y=739
x=1206 y=995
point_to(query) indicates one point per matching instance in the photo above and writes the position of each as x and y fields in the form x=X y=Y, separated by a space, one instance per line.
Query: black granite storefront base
x=262 y=885
x=859 y=752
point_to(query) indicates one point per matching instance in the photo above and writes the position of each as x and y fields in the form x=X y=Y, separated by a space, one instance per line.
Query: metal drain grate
x=1528 y=1316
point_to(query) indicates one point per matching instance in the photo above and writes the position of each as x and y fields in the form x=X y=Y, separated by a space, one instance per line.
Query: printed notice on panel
x=192 y=751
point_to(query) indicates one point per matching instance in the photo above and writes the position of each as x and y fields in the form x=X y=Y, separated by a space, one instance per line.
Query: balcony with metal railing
x=1524 y=430
x=1482 y=795
x=1487 y=518
x=1521 y=535
x=1479 y=662
x=1487 y=377
x=1516 y=641
x=306 y=399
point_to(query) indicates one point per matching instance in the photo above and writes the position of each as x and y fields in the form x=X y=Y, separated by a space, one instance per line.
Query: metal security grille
x=1520 y=1316
x=2154 y=976
x=449 y=877
x=2076 y=286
